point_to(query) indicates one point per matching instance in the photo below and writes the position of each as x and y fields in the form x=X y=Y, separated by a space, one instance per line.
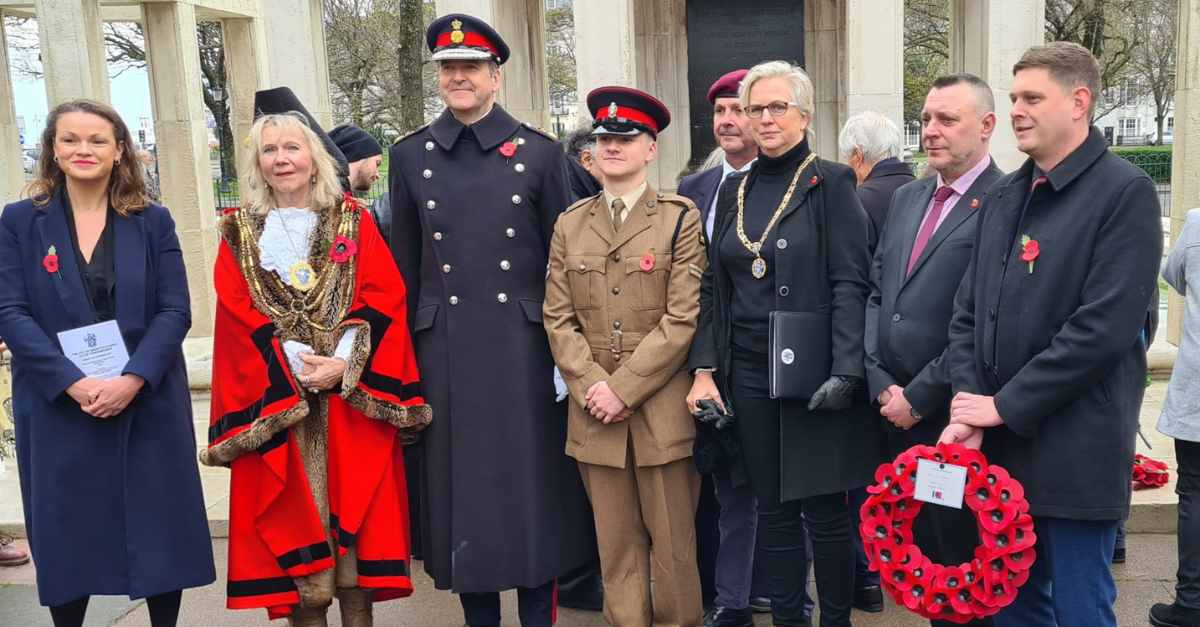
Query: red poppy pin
x=343 y=249
x=1029 y=251
x=50 y=261
x=813 y=180
x=647 y=263
x=974 y=203
x=508 y=149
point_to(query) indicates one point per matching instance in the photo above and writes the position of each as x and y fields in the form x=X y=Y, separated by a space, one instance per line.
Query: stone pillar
x=522 y=24
x=12 y=177
x=643 y=45
x=988 y=37
x=183 y=155
x=72 y=49
x=1185 y=163
x=296 y=32
x=245 y=73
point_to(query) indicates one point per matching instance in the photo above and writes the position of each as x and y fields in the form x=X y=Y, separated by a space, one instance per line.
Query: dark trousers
x=945 y=535
x=1070 y=584
x=738 y=524
x=1187 y=585
x=535 y=606
x=785 y=528
x=863 y=577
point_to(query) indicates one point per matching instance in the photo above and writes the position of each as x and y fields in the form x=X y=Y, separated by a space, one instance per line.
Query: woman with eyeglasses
x=779 y=343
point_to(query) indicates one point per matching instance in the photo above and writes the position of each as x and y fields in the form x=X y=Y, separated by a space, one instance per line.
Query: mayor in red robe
x=318 y=503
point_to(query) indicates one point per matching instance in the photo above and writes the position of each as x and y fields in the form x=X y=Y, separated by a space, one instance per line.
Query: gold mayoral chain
x=758 y=267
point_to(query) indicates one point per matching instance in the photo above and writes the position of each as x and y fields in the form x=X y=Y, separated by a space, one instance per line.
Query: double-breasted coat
x=112 y=506
x=821 y=264
x=622 y=308
x=501 y=505
x=1059 y=347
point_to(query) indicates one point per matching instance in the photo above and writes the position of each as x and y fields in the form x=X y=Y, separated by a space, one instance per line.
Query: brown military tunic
x=622 y=307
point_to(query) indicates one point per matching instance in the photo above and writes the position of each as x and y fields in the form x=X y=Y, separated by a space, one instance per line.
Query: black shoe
x=1164 y=615
x=1119 y=555
x=760 y=605
x=729 y=617
x=869 y=599
x=584 y=592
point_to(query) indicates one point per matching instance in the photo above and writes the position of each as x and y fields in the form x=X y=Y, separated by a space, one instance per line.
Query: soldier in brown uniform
x=622 y=301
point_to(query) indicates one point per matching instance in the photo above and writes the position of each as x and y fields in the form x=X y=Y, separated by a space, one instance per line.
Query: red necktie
x=928 y=226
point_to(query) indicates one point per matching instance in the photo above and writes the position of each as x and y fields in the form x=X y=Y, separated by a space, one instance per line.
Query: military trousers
x=641 y=511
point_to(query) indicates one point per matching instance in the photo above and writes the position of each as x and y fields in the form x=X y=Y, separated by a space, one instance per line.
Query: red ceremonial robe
x=317 y=479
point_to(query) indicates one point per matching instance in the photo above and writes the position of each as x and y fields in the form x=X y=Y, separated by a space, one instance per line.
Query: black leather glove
x=837 y=392
x=710 y=413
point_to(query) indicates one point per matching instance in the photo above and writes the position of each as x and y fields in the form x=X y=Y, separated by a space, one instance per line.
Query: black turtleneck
x=753 y=299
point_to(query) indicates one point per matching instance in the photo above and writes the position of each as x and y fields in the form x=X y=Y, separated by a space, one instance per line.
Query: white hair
x=714 y=159
x=873 y=134
x=802 y=87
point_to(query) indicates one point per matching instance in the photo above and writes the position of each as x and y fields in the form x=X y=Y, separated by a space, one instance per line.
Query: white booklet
x=97 y=349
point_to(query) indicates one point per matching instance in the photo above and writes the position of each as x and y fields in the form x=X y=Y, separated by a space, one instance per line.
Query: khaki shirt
x=621 y=308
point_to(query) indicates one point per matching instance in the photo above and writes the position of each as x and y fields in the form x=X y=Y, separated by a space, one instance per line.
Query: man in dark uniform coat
x=924 y=248
x=871 y=144
x=1046 y=352
x=474 y=198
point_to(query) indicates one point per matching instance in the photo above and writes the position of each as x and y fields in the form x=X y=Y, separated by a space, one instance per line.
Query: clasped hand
x=605 y=405
x=894 y=406
x=321 y=373
x=105 y=398
x=970 y=414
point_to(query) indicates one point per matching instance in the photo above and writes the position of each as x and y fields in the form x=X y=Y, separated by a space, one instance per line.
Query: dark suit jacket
x=1060 y=348
x=700 y=189
x=876 y=191
x=908 y=317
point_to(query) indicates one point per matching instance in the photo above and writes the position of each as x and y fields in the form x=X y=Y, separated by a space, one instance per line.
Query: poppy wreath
x=955 y=593
x=1148 y=473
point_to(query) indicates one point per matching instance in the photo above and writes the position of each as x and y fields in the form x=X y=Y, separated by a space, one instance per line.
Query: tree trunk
x=409 y=53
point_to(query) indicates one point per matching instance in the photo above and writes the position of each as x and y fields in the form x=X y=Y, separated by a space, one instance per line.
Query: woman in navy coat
x=109 y=480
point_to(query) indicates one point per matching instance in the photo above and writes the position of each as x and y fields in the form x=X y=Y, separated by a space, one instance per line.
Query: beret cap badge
x=456 y=35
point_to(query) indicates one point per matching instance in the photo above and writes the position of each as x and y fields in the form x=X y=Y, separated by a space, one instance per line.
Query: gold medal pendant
x=302 y=276
x=758 y=268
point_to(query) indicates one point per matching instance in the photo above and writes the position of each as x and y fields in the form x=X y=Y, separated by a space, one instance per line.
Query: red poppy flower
x=1030 y=251
x=50 y=261
x=647 y=263
x=343 y=249
x=508 y=149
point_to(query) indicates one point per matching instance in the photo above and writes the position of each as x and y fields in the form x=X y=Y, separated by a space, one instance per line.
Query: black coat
x=821 y=265
x=1060 y=348
x=908 y=316
x=876 y=190
x=503 y=506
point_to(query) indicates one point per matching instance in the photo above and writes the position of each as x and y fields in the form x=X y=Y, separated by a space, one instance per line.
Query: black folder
x=801 y=357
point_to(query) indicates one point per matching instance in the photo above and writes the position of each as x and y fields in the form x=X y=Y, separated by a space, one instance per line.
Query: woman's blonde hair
x=326 y=189
x=802 y=87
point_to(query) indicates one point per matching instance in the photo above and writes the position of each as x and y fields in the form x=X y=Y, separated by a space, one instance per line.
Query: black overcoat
x=502 y=505
x=821 y=265
x=877 y=189
x=112 y=506
x=1060 y=347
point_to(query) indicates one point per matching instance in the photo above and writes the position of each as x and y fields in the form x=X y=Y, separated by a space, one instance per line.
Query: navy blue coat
x=700 y=189
x=112 y=506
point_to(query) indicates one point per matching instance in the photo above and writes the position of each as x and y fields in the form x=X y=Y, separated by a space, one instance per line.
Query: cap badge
x=612 y=110
x=457 y=36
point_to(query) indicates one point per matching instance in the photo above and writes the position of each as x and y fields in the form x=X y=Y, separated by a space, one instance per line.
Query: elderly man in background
x=582 y=172
x=871 y=144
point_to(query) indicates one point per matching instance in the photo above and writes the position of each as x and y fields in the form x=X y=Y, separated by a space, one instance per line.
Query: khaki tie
x=618 y=208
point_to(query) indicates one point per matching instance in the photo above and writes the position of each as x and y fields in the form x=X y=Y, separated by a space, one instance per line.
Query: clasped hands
x=105 y=398
x=605 y=405
x=970 y=414
x=320 y=373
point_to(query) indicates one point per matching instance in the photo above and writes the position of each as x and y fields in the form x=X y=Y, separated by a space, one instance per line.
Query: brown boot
x=355 y=604
x=10 y=553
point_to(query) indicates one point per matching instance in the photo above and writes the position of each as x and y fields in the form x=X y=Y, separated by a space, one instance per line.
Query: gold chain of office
x=758 y=267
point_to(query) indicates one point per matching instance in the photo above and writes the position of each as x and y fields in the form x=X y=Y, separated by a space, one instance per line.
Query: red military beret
x=726 y=86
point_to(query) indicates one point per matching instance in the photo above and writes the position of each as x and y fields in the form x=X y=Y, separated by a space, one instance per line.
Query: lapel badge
x=457 y=36
x=813 y=180
x=974 y=203
x=612 y=110
x=647 y=263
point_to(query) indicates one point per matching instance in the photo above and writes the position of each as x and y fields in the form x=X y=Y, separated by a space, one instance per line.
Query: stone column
x=72 y=49
x=643 y=45
x=522 y=24
x=12 y=177
x=987 y=37
x=296 y=32
x=1185 y=163
x=854 y=53
x=245 y=73
x=183 y=154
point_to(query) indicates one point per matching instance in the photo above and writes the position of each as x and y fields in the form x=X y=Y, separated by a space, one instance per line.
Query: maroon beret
x=726 y=86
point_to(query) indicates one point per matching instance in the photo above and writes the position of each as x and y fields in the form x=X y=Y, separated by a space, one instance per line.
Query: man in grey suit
x=919 y=261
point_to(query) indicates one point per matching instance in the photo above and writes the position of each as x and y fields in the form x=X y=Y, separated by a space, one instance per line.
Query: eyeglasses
x=776 y=109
